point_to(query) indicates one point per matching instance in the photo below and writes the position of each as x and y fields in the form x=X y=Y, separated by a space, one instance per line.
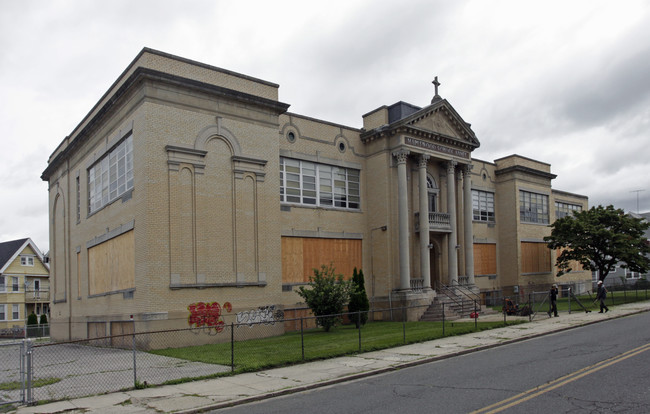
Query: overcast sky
x=564 y=82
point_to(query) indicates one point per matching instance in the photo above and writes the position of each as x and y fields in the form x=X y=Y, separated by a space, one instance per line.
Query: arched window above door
x=432 y=194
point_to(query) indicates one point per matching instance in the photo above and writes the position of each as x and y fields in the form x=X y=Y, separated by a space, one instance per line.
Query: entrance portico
x=430 y=159
x=427 y=222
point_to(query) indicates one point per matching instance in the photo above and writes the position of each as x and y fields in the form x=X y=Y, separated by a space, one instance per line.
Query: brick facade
x=203 y=221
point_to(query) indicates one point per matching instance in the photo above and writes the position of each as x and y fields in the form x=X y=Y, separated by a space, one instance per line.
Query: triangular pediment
x=441 y=119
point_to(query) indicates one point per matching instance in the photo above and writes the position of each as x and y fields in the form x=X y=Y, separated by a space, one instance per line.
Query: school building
x=190 y=195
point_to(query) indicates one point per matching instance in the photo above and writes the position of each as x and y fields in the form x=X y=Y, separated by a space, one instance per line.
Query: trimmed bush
x=359 y=299
x=32 y=319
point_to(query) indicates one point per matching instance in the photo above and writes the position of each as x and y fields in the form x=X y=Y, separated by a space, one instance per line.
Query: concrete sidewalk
x=203 y=395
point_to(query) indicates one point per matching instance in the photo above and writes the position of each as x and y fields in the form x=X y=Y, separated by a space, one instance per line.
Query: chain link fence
x=40 y=371
x=12 y=369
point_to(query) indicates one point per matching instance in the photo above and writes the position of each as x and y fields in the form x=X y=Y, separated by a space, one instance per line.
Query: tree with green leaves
x=43 y=320
x=32 y=319
x=327 y=295
x=600 y=239
x=359 y=299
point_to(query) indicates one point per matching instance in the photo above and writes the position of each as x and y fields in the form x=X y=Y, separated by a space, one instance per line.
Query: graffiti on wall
x=207 y=317
x=266 y=315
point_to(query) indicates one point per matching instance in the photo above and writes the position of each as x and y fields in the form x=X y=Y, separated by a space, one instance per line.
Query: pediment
x=437 y=123
x=440 y=119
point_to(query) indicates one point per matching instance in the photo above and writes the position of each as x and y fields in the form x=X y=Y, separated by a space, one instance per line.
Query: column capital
x=451 y=165
x=467 y=169
x=422 y=162
x=401 y=155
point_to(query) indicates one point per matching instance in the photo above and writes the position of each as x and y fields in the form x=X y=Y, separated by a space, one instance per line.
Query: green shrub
x=43 y=320
x=359 y=299
x=32 y=319
x=327 y=295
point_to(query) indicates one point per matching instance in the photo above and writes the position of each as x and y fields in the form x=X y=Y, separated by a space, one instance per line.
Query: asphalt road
x=600 y=368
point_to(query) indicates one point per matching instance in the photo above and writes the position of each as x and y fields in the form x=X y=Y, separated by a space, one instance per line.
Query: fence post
x=302 y=339
x=232 y=347
x=475 y=317
x=30 y=371
x=443 y=319
x=530 y=308
x=404 y=323
x=359 y=328
x=22 y=371
x=504 y=312
x=135 y=368
x=569 y=290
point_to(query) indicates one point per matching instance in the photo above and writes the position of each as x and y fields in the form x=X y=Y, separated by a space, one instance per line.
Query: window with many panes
x=565 y=209
x=27 y=260
x=533 y=207
x=111 y=176
x=309 y=183
x=483 y=205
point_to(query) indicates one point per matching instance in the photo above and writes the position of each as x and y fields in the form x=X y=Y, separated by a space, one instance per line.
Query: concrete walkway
x=215 y=393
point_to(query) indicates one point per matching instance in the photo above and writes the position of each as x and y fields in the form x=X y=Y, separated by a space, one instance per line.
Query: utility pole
x=637 y=199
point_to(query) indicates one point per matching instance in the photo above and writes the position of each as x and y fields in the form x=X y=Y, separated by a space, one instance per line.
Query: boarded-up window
x=574 y=265
x=111 y=265
x=121 y=334
x=301 y=255
x=96 y=329
x=485 y=259
x=535 y=257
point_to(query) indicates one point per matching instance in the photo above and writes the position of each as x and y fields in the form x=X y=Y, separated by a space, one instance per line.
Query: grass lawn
x=287 y=349
x=614 y=298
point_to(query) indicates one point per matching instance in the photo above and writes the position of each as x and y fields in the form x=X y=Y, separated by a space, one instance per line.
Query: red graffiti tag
x=206 y=315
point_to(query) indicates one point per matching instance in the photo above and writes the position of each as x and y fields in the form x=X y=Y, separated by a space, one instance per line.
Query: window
x=485 y=259
x=483 y=205
x=3 y=312
x=111 y=176
x=15 y=314
x=309 y=183
x=535 y=258
x=27 y=260
x=565 y=209
x=632 y=275
x=3 y=287
x=432 y=194
x=533 y=207
x=14 y=284
x=78 y=188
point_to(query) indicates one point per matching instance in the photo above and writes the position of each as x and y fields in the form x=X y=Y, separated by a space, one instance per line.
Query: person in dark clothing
x=601 y=295
x=552 y=301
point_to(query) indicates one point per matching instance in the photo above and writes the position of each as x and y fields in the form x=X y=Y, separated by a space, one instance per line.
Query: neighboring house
x=24 y=284
x=189 y=194
x=621 y=277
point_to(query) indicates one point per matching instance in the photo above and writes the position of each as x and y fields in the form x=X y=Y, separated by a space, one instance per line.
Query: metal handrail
x=451 y=294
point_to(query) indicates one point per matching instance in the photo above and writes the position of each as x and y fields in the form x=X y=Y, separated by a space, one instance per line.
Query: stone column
x=469 y=234
x=451 y=210
x=425 y=268
x=402 y=202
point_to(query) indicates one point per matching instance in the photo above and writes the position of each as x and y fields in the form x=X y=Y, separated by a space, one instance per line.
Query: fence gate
x=13 y=376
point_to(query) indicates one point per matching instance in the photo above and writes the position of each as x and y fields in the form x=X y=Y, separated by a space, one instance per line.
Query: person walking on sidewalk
x=601 y=295
x=552 y=301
